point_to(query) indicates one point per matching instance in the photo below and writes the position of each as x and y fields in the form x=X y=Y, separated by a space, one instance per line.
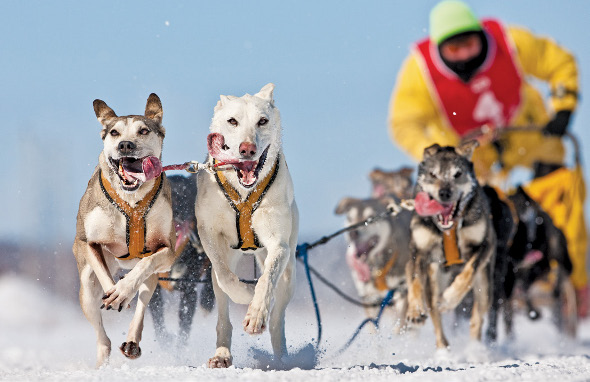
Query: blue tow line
x=374 y=321
x=302 y=253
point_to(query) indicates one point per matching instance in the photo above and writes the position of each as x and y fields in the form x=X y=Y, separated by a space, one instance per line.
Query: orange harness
x=244 y=209
x=450 y=247
x=134 y=217
x=380 y=280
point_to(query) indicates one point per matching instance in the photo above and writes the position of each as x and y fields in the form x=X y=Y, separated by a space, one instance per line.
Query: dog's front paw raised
x=416 y=313
x=255 y=320
x=119 y=296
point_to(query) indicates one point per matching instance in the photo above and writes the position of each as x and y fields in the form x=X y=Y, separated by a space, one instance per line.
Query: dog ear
x=431 y=150
x=344 y=205
x=266 y=92
x=102 y=111
x=466 y=148
x=153 y=108
x=223 y=99
x=406 y=171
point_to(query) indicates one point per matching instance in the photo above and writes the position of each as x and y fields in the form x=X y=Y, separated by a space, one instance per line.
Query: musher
x=470 y=76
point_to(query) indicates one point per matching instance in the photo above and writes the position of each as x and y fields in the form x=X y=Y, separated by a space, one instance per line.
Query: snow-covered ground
x=43 y=337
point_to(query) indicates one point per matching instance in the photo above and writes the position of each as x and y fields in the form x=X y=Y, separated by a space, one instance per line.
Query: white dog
x=248 y=209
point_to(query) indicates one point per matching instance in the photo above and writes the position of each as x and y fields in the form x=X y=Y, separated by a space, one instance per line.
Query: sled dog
x=397 y=183
x=124 y=222
x=453 y=248
x=192 y=264
x=249 y=208
x=377 y=253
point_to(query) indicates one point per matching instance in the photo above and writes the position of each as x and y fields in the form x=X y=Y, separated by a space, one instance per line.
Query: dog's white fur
x=100 y=233
x=275 y=222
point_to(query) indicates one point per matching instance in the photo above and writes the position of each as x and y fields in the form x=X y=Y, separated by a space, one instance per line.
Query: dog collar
x=244 y=209
x=134 y=216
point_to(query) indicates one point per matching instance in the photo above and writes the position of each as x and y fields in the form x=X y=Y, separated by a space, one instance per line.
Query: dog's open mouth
x=445 y=213
x=357 y=255
x=446 y=218
x=248 y=171
x=133 y=172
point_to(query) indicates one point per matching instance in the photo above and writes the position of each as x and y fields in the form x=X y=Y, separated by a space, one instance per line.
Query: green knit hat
x=449 y=18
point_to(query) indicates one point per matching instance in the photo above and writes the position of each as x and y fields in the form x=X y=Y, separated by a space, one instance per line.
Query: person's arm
x=414 y=121
x=544 y=59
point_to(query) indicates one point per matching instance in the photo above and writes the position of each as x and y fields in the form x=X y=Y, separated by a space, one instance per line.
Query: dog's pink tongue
x=360 y=267
x=425 y=206
x=152 y=168
x=215 y=143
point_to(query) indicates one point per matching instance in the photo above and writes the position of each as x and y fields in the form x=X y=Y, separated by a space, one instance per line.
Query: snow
x=45 y=337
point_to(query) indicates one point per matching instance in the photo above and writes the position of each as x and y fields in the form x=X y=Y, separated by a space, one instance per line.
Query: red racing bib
x=491 y=97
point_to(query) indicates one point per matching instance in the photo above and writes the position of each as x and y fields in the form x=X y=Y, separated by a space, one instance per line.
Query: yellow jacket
x=416 y=120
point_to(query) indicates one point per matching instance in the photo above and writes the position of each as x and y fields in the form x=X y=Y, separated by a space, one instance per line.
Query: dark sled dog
x=453 y=248
x=528 y=257
x=192 y=267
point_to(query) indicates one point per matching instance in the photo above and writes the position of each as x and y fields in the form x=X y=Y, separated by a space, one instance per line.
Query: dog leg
x=121 y=294
x=441 y=340
x=416 y=281
x=130 y=348
x=285 y=289
x=239 y=292
x=481 y=302
x=222 y=357
x=156 y=307
x=95 y=258
x=90 y=293
x=186 y=311
x=401 y=309
x=274 y=265
x=453 y=295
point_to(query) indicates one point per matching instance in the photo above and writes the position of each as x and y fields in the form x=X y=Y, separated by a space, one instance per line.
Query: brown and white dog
x=453 y=242
x=124 y=222
x=249 y=209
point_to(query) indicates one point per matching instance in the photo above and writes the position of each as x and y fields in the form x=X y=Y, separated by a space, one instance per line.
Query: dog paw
x=118 y=296
x=219 y=362
x=130 y=350
x=416 y=314
x=255 y=320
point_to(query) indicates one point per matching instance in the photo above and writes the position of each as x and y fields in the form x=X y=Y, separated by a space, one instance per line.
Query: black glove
x=558 y=125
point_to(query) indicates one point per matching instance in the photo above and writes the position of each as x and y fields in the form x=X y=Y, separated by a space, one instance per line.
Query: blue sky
x=334 y=64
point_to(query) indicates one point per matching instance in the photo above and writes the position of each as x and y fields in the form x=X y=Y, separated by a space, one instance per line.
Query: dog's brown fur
x=101 y=229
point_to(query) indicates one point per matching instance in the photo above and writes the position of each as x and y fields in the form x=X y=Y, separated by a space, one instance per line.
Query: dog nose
x=126 y=147
x=247 y=149
x=444 y=194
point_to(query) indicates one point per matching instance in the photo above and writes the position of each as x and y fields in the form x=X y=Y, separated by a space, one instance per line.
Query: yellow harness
x=244 y=209
x=134 y=217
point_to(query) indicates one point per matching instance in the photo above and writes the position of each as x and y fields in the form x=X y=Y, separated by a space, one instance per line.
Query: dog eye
x=458 y=174
x=263 y=121
x=144 y=131
x=114 y=133
x=233 y=122
x=432 y=175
